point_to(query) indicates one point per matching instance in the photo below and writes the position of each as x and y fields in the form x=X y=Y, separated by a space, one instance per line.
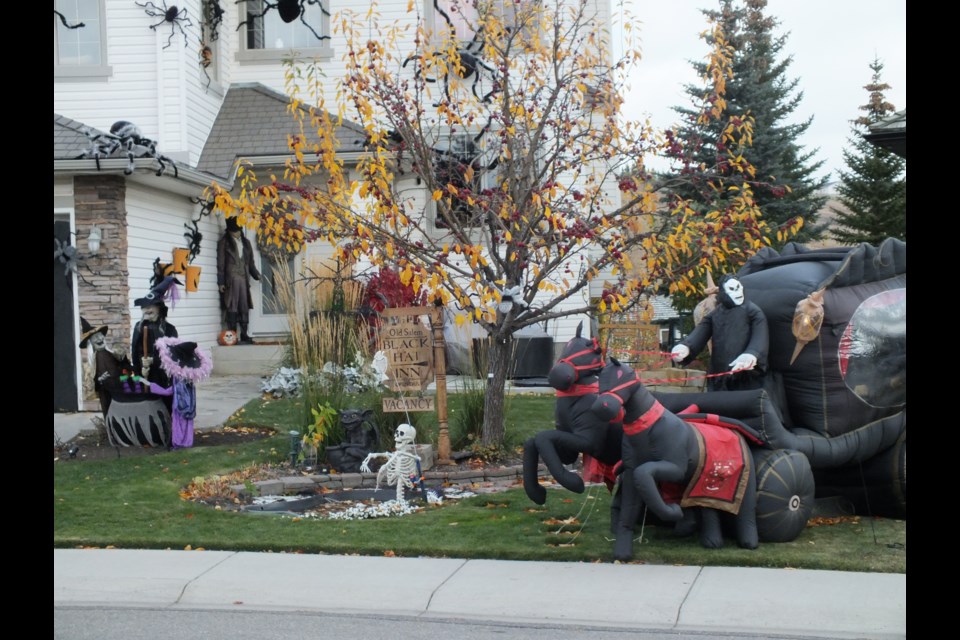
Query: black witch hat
x=87 y=331
x=165 y=290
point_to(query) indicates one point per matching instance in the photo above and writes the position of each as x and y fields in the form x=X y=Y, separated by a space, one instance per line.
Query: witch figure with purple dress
x=185 y=364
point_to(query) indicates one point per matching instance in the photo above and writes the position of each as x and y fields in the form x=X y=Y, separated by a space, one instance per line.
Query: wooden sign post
x=407 y=347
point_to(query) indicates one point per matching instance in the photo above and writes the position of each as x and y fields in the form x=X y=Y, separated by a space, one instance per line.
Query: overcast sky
x=832 y=43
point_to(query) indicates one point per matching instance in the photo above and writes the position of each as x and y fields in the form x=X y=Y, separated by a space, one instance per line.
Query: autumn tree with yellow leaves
x=492 y=168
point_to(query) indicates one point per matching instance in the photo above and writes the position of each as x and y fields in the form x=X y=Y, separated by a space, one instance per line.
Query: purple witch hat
x=166 y=289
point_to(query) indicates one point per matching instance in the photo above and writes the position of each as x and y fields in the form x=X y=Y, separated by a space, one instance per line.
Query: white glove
x=680 y=352
x=744 y=362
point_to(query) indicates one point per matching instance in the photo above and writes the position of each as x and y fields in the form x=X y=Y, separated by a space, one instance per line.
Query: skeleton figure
x=402 y=467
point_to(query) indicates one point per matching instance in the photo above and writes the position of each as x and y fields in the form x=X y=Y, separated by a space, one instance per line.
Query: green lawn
x=136 y=503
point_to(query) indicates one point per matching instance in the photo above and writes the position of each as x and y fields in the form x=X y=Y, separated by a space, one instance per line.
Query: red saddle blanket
x=722 y=472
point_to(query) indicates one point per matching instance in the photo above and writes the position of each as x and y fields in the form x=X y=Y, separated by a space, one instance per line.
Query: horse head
x=581 y=358
x=617 y=383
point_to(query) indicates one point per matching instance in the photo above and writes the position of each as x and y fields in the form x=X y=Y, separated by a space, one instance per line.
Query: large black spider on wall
x=471 y=65
x=450 y=167
x=212 y=19
x=171 y=15
x=289 y=10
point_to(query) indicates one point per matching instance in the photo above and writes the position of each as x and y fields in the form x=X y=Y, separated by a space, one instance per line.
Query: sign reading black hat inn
x=408 y=345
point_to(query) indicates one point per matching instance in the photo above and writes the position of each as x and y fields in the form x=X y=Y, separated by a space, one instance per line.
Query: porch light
x=93 y=240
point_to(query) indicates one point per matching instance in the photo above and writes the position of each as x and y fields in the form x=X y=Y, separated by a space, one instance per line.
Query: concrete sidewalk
x=814 y=604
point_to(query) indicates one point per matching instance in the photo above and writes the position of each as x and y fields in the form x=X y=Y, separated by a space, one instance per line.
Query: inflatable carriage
x=835 y=393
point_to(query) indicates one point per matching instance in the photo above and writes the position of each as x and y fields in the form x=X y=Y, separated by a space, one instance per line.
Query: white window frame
x=73 y=72
x=246 y=55
x=433 y=20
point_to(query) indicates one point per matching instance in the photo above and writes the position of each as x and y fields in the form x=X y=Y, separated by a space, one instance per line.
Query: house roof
x=253 y=121
x=70 y=142
x=891 y=133
x=69 y=139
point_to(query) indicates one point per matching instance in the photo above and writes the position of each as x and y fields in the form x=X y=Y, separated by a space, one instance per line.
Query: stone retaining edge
x=336 y=482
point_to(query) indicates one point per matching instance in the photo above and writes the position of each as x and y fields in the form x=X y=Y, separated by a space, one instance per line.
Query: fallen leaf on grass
x=188 y=548
x=818 y=522
x=389 y=554
x=570 y=520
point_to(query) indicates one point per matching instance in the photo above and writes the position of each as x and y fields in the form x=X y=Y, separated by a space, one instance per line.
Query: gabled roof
x=253 y=121
x=69 y=139
x=70 y=142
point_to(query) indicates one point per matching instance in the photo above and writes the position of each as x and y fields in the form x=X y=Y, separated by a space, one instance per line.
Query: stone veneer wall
x=103 y=292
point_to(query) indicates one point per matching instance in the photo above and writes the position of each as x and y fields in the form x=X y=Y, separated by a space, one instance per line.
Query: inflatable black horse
x=670 y=463
x=579 y=430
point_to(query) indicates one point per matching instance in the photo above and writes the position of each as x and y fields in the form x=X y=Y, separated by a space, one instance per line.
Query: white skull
x=405 y=434
x=735 y=290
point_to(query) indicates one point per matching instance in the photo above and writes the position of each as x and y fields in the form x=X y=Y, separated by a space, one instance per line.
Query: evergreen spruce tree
x=784 y=185
x=873 y=189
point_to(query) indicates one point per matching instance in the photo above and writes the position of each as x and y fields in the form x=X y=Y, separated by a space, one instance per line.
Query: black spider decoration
x=289 y=11
x=450 y=166
x=69 y=257
x=470 y=64
x=125 y=135
x=193 y=237
x=67 y=254
x=158 y=273
x=212 y=19
x=206 y=207
x=209 y=32
x=63 y=19
x=174 y=16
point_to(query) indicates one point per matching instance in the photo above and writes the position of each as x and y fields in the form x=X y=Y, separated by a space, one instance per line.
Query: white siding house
x=124 y=64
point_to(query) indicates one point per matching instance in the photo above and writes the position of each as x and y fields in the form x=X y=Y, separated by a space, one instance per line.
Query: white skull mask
x=734 y=291
x=405 y=434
